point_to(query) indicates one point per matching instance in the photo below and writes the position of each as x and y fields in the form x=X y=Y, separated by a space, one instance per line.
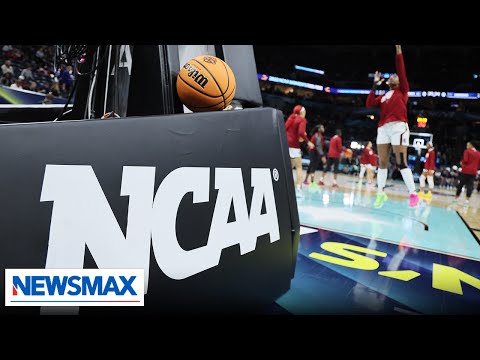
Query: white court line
x=305 y=230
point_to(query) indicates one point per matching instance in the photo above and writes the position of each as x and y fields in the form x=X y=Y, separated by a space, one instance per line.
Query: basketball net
x=418 y=149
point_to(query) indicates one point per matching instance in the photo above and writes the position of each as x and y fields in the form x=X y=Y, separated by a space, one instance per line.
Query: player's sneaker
x=421 y=195
x=413 y=200
x=321 y=183
x=306 y=183
x=381 y=198
x=335 y=185
x=427 y=196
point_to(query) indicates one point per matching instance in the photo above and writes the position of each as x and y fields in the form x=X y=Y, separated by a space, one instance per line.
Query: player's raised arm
x=401 y=72
x=373 y=101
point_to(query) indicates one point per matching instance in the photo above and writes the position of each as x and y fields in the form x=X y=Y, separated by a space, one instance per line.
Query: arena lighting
x=304 y=68
x=422 y=122
x=280 y=80
x=384 y=75
x=353 y=91
x=355 y=145
x=412 y=94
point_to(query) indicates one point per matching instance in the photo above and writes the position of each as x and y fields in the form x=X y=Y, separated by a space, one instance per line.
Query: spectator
x=7 y=67
x=43 y=88
x=27 y=72
x=43 y=71
x=7 y=79
x=55 y=88
x=66 y=79
x=7 y=48
x=33 y=86
x=14 y=54
x=48 y=99
x=40 y=54
x=18 y=84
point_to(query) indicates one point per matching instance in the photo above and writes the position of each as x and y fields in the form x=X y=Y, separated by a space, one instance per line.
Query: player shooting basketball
x=393 y=132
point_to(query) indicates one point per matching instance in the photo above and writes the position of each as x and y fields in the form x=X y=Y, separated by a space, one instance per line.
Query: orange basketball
x=206 y=83
x=348 y=153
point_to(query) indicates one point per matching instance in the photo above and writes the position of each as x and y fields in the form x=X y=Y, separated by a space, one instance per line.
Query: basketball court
x=419 y=251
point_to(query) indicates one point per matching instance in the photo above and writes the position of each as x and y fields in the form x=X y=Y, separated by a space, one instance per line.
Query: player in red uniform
x=470 y=164
x=295 y=127
x=365 y=160
x=335 y=149
x=316 y=154
x=393 y=132
x=428 y=172
x=373 y=166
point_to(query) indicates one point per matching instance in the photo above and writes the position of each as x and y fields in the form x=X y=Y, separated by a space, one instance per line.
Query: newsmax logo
x=74 y=287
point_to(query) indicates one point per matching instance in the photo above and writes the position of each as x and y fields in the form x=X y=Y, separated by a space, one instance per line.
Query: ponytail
x=315 y=129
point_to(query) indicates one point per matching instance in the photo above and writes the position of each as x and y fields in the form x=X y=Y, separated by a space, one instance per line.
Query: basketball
x=348 y=153
x=206 y=83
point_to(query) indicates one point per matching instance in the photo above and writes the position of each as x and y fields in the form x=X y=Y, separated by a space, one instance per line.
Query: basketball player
x=295 y=127
x=428 y=172
x=335 y=148
x=365 y=160
x=316 y=154
x=393 y=131
x=470 y=164
x=373 y=166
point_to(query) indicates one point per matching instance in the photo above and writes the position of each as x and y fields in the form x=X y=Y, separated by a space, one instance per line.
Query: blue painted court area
x=425 y=227
x=346 y=274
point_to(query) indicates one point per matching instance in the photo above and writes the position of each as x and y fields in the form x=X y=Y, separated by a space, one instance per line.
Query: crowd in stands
x=31 y=67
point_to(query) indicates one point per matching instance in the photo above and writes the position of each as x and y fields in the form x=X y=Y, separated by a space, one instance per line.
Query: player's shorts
x=368 y=166
x=332 y=162
x=295 y=153
x=395 y=133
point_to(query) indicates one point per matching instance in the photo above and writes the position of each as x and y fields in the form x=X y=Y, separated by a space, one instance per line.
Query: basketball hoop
x=418 y=144
x=418 y=149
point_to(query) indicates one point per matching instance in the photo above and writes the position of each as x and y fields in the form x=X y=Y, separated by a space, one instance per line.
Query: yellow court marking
x=386 y=241
x=404 y=275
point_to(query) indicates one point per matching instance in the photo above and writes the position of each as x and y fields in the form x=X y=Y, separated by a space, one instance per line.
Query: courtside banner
x=204 y=203
x=74 y=287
